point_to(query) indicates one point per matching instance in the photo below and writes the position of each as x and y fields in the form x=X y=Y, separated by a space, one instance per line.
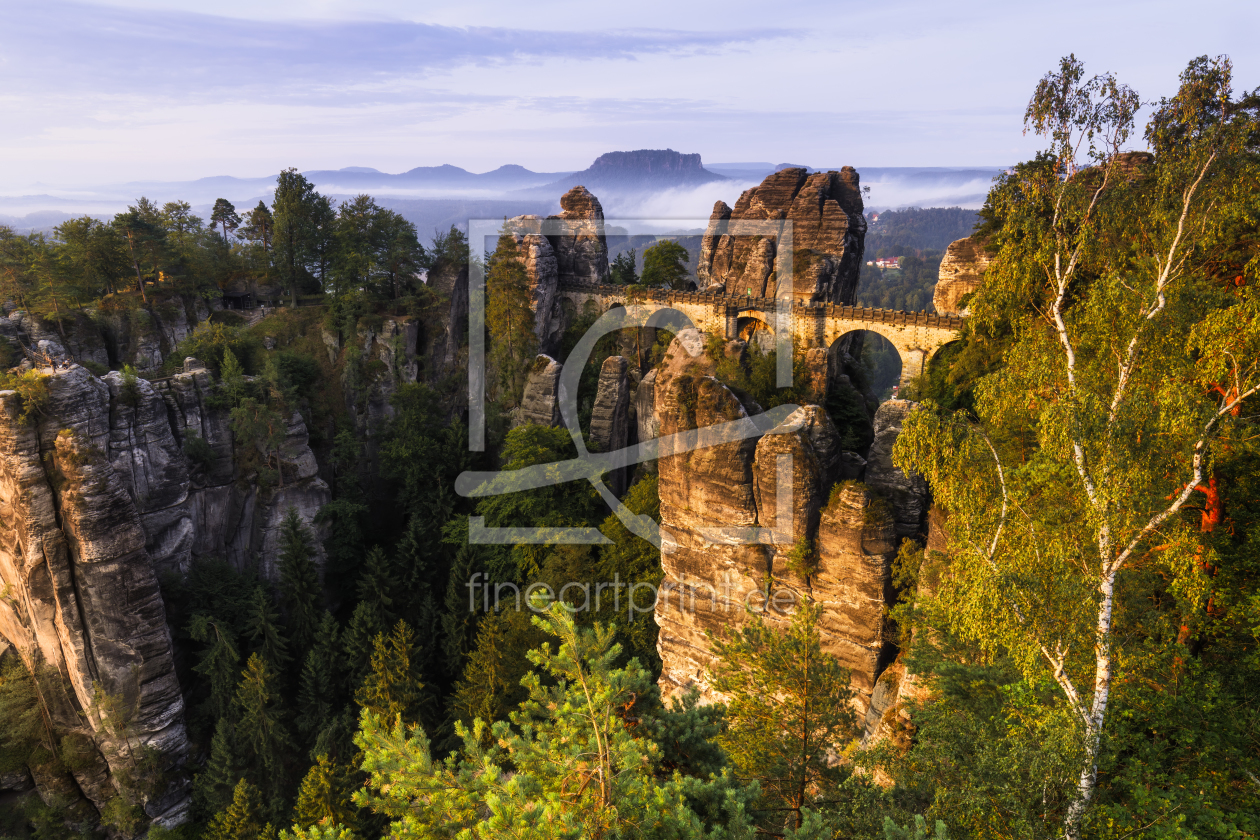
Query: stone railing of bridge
x=917 y=336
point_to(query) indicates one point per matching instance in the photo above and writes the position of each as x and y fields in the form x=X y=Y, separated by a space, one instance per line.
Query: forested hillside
x=919 y=236
x=1071 y=649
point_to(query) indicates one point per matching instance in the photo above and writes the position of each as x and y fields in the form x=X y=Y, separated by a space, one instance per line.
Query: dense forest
x=919 y=237
x=1083 y=639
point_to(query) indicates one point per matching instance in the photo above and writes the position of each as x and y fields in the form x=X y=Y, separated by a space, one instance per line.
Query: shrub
x=198 y=450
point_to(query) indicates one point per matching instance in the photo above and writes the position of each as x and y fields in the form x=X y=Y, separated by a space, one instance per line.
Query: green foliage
x=265 y=632
x=509 y=318
x=130 y=391
x=261 y=731
x=32 y=390
x=198 y=450
x=789 y=712
x=665 y=266
x=213 y=787
x=892 y=831
x=243 y=819
x=577 y=769
x=393 y=687
x=621 y=271
x=299 y=582
x=753 y=374
x=217 y=662
x=324 y=797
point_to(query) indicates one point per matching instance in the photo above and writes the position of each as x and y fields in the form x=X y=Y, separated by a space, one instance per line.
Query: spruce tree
x=264 y=631
x=243 y=818
x=299 y=583
x=461 y=610
x=324 y=796
x=320 y=684
x=365 y=625
x=261 y=733
x=218 y=663
x=379 y=586
x=213 y=786
x=393 y=687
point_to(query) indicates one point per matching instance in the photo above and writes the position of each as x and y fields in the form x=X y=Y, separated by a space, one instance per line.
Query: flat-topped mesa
x=962 y=272
x=828 y=234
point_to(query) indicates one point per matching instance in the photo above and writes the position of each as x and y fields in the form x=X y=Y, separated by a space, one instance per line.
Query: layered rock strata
x=540 y=401
x=828 y=236
x=610 y=415
x=961 y=273
x=98 y=496
x=907 y=494
x=731 y=513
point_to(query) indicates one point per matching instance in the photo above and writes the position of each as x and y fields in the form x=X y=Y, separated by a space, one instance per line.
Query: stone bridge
x=916 y=335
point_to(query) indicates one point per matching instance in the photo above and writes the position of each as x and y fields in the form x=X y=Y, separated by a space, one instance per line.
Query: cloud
x=159 y=51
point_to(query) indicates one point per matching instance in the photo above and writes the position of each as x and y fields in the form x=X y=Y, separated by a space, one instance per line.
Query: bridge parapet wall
x=917 y=336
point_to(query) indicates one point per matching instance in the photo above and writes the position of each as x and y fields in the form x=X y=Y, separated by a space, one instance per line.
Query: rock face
x=541 y=269
x=83 y=592
x=962 y=272
x=610 y=416
x=908 y=495
x=582 y=250
x=828 y=236
x=730 y=515
x=540 y=402
x=96 y=498
x=856 y=547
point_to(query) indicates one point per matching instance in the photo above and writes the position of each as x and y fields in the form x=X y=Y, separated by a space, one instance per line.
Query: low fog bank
x=438 y=207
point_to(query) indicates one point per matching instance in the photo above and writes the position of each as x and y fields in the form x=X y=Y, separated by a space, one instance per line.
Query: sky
x=99 y=93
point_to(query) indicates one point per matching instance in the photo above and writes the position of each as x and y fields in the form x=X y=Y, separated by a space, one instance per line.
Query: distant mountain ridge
x=637 y=171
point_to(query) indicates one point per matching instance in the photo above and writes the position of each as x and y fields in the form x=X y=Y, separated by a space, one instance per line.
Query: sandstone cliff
x=961 y=273
x=731 y=513
x=828 y=232
x=97 y=496
x=908 y=494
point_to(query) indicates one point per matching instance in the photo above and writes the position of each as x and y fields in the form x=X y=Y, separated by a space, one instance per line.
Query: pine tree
x=324 y=796
x=299 y=583
x=261 y=734
x=393 y=687
x=509 y=316
x=213 y=786
x=218 y=662
x=790 y=709
x=243 y=819
x=418 y=566
x=232 y=377
x=264 y=631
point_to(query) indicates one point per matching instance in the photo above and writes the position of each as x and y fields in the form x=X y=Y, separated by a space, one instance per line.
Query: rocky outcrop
x=856 y=546
x=541 y=270
x=581 y=250
x=610 y=415
x=540 y=403
x=732 y=513
x=142 y=337
x=908 y=494
x=828 y=236
x=83 y=592
x=962 y=272
x=118 y=480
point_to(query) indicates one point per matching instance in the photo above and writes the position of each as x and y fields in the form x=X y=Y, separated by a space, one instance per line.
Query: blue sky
x=95 y=93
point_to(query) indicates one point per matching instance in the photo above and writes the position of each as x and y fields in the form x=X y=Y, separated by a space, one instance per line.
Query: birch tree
x=1136 y=354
